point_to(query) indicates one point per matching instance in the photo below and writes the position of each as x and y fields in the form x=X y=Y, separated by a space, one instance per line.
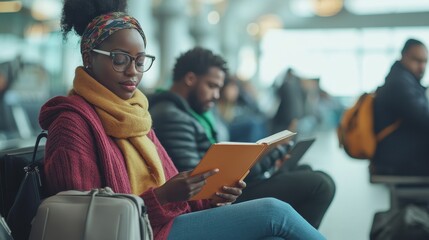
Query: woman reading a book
x=100 y=135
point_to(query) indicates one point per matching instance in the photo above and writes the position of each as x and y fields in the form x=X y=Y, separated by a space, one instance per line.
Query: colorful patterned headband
x=105 y=25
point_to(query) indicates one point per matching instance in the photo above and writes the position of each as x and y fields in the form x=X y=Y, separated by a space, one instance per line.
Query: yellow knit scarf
x=128 y=121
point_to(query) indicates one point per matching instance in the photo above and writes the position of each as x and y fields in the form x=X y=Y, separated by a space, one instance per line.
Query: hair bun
x=77 y=14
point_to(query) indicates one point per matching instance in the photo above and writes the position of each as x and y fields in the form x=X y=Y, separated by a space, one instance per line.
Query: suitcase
x=98 y=214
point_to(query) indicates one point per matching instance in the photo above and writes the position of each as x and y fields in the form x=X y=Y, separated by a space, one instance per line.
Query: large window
x=347 y=61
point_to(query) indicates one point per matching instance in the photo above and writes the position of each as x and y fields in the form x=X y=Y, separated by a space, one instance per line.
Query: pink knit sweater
x=79 y=155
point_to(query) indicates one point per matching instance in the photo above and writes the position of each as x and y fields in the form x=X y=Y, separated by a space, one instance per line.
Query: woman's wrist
x=160 y=195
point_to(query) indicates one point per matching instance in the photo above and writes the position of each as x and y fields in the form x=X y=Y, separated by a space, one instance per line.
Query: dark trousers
x=309 y=192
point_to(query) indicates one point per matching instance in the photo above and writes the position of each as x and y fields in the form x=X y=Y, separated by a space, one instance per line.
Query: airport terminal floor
x=351 y=212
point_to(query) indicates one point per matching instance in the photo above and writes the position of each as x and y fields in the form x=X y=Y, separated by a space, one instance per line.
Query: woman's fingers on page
x=203 y=176
x=197 y=186
x=196 y=183
x=227 y=197
x=242 y=184
x=232 y=190
x=228 y=194
x=195 y=191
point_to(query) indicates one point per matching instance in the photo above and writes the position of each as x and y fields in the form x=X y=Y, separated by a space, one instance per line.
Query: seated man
x=402 y=97
x=184 y=125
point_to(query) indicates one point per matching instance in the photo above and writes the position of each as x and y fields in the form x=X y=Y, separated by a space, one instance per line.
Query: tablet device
x=296 y=153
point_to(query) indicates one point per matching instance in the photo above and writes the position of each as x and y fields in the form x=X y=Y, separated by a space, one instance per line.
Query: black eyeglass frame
x=132 y=58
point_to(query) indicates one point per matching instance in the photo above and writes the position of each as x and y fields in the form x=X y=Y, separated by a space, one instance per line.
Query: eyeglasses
x=121 y=61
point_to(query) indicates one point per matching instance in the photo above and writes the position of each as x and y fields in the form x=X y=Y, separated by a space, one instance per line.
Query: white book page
x=276 y=137
x=235 y=143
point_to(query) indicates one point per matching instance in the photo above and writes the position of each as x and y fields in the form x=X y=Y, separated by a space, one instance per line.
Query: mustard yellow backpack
x=356 y=129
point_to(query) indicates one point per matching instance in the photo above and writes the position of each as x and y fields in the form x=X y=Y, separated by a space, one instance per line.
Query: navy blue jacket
x=406 y=150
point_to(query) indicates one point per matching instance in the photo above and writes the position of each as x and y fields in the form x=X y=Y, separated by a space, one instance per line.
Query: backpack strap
x=388 y=130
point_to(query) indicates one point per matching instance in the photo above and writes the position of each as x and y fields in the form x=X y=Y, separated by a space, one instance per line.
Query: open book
x=234 y=159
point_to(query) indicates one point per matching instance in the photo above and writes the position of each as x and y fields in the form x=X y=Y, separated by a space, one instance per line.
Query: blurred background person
x=402 y=97
x=239 y=111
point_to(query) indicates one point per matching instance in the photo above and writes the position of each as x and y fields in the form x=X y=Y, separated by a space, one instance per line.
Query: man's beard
x=420 y=76
x=194 y=103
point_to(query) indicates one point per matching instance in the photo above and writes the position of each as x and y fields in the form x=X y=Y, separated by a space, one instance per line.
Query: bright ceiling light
x=301 y=8
x=327 y=8
x=37 y=30
x=211 y=1
x=252 y=29
x=43 y=10
x=268 y=22
x=213 y=17
x=10 y=6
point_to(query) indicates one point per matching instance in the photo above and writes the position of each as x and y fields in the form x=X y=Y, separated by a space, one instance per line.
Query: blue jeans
x=265 y=218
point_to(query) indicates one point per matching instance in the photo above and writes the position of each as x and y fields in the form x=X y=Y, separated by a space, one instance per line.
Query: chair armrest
x=399 y=180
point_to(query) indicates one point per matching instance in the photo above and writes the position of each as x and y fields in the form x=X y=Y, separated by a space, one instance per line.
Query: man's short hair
x=197 y=60
x=409 y=43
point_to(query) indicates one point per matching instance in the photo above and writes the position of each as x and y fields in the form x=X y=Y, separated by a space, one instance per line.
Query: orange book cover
x=233 y=159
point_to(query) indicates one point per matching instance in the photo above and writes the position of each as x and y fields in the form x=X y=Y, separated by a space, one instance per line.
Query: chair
x=404 y=189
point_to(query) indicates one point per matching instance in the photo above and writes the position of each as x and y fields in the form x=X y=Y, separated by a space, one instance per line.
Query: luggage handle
x=107 y=191
x=89 y=214
x=32 y=165
x=102 y=191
